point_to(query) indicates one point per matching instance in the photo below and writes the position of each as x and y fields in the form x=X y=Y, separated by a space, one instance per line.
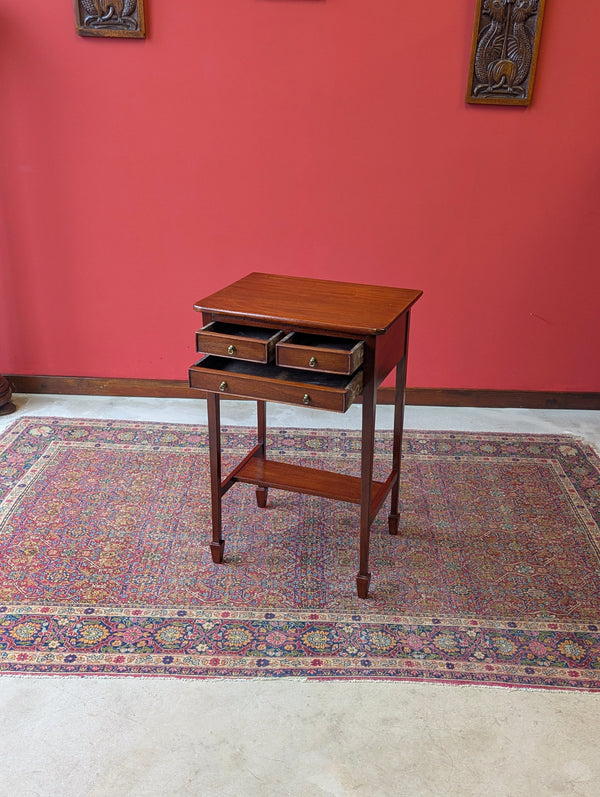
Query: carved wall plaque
x=506 y=39
x=122 y=18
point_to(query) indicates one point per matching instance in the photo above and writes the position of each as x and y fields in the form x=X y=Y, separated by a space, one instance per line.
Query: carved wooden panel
x=122 y=18
x=506 y=39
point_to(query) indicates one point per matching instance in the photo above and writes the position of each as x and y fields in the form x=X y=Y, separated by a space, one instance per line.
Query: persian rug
x=105 y=569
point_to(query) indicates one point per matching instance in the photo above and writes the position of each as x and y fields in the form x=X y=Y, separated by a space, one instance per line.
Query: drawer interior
x=239 y=331
x=261 y=371
x=310 y=341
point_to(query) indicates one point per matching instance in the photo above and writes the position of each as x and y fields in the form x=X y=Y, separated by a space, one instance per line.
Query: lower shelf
x=299 y=479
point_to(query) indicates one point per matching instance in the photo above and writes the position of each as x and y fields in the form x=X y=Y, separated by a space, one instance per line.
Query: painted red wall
x=328 y=138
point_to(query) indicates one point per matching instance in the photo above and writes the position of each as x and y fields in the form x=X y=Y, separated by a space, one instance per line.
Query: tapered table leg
x=363 y=578
x=394 y=516
x=399 y=403
x=261 y=428
x=214 y=441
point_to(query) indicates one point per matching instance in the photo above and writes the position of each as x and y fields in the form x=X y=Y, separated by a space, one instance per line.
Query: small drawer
x=269 y=383
x=256 y=344
x=320 y=353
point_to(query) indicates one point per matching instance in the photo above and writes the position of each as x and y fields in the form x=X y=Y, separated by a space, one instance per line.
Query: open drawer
x=256 y=344
x=320 y=353
x=271 y=383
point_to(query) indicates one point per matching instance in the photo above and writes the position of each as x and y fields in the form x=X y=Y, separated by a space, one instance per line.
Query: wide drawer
x=271 y=383
x=256 y=344
x=319 y=353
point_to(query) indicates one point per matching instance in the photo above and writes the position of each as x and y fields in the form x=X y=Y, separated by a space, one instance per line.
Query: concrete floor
x=63 y=737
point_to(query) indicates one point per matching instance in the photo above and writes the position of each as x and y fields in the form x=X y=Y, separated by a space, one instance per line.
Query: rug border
x=579 y=678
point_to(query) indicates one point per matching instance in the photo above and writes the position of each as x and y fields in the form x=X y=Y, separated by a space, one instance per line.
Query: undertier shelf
x=299 y=479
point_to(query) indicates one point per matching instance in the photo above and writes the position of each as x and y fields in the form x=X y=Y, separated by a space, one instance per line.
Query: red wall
x=320 y=137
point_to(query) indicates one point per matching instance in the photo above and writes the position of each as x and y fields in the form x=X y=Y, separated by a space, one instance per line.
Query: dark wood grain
x=262 y=491
x=504 y=52
x=300 y=479
x=288 y=302
x=112 y=18
x=245 y=343
x=394 y=515
x=331 y=392
x=217 y=545
x=369 y=401
x=319 y=352
x=313 y=371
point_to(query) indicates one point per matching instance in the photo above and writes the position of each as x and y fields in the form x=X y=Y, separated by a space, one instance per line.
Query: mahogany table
x=307 y=342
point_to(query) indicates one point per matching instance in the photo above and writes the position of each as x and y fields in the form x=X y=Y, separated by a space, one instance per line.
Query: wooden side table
x=308 y=342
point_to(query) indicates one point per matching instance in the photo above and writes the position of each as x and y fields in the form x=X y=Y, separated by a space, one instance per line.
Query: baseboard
x=417 y=396
x=517 y=399
x=97 y=386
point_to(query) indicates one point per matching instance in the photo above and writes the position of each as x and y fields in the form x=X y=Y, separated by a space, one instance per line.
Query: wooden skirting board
x=418 y=396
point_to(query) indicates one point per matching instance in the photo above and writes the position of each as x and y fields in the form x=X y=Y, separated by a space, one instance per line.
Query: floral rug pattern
x=494 y=577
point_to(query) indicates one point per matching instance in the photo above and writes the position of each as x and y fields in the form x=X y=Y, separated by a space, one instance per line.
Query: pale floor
x=64 y=737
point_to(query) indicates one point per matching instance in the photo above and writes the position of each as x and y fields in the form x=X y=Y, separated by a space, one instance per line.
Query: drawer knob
x=306 y=399
x=223 y=386
x=231 y=349
x=312 y=362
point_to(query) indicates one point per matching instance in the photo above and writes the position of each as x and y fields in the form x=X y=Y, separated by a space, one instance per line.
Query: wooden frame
x=123 y=19
x=506 y=40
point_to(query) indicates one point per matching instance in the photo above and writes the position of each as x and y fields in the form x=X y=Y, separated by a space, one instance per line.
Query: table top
x=281 y=300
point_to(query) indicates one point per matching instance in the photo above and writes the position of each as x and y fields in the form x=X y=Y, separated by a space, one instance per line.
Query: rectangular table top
x=281 y=300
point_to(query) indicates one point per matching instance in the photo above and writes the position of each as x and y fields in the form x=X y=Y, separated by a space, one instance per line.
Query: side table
x=308 y=342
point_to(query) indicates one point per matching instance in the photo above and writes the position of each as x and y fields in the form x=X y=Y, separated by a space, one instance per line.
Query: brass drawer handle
x=223 y=386
x=306 y=399
x=231 y=349
x=312 y=362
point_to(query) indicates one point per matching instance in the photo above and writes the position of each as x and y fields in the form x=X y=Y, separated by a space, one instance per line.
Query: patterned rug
x=494 y=577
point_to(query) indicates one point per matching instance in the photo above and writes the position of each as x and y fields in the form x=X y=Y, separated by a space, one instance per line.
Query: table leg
x=399 y=402
x=369 y=401
x=214 y=441
x=261 y=412
x=394 y=516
